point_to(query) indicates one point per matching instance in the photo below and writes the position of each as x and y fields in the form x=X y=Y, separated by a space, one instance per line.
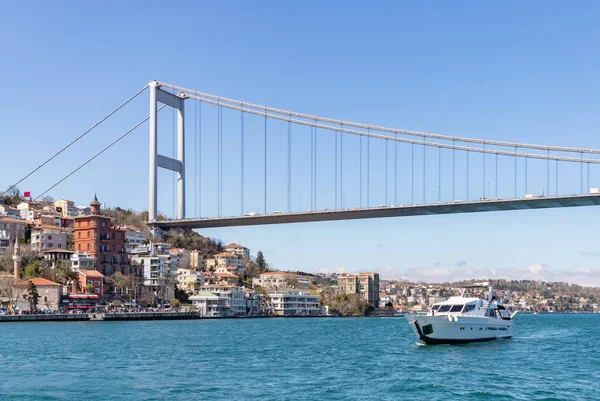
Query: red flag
x=27 y=194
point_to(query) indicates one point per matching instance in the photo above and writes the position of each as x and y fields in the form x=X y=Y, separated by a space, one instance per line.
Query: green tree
x=260 y=261
x=70 y=243
x=89 y=288
x=32 y=295
x=35 y=269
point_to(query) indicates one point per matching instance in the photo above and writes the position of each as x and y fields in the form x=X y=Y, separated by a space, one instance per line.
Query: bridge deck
x=386 y=211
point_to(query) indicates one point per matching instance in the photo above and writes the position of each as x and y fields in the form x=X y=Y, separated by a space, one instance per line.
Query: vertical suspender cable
x=242 y=165
x=556 y=183
x=467 y=175
x=412 y=173
x=453 y=171
x=496 y=177
x=581 y=168
x=265 y=194
x=342 y=165
x=395 y=170
x=174 y=173
x=439 y=174
x=289 y=166
x=195 y=158
x=483 y=154
x=515 y=172
x=200 y=161
x=360 y=173
x=424 y=181
x=548 y=173
x=316 y=165
x=336 y=170
x=526 y=188
x=368 y=168
x=312 y=168
x=386 y=172
x=588 y=178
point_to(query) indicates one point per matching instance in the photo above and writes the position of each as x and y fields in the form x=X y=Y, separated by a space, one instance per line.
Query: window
x=88 y=246
x=79 y=247
x=49 y=237
x=103 y=223
x=90 y=282
x=60 y=245
x=96 y=283
x=87 y=234
x=75 y=263
x=97 y=290
x=95 y=246
x=435 y=308
x=469 y=308
x=445 y=308
x=456 y=308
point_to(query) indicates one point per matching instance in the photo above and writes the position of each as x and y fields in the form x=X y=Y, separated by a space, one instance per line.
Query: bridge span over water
x=386 y=211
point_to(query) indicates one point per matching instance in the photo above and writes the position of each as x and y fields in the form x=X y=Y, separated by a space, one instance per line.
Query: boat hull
x=460 y=330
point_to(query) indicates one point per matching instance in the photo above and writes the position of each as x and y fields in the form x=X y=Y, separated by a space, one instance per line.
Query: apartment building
x=364 y=284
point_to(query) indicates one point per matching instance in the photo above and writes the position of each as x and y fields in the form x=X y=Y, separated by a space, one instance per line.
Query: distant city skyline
x=514 y=72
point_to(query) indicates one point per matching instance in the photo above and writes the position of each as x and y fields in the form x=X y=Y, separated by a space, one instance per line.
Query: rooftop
x=225 y=255
x=59 y=250
x=234 y=245
x=38 y=282
x=91 y=273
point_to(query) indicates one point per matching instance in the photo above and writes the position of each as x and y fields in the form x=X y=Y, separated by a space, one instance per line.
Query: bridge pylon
x=158 y=95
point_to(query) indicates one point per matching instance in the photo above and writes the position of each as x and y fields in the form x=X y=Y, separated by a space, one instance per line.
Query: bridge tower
x=156 y=160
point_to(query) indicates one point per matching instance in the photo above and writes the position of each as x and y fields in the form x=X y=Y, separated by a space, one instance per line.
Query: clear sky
x=515 y=71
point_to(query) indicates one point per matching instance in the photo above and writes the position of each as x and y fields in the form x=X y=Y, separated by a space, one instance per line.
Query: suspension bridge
x=244 y=152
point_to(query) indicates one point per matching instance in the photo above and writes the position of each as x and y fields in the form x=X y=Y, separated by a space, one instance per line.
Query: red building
x=93 y=278
x=96 y=235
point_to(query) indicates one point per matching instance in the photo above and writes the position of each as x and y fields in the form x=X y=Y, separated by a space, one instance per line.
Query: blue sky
x=514 y=71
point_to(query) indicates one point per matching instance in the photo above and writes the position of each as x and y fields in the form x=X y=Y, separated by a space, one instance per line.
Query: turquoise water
x=552 y=357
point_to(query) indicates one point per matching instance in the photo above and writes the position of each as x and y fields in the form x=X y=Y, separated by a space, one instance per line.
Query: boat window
x=469 y=307
x=445 y=308
x=456 y=308
x=435 y=308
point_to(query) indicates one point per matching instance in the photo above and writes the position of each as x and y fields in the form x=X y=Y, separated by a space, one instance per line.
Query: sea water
x=551 y=357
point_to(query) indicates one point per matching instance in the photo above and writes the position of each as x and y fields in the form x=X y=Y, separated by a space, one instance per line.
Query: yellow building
x=366 y=285
x=65 y=207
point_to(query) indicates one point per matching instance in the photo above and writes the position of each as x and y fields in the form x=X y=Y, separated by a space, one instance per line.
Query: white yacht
x=464 y=319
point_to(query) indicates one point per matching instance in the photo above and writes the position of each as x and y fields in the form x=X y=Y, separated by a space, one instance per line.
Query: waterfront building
x=97 y=236
x=188 y=280
x=210 y=304
x=162 y=248
x=93 y=278
x=237 y=250
x=52 y=256
x=254 y=302
x=236 y=296
x=46 y=237
x=80 y=301
x=159 y=274
x=82 y=260
x=283 y=280
x=14 y=228
x=134 y=239
x=65 y=207
x=50 y=294
x=294 y=303
x=366 y=285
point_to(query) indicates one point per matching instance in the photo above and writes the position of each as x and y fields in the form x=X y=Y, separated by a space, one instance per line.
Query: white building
x=211 y=305
x=44 y=238
x=6 y=246
x=225 y=259
x=294 y=303
x=159 y=275
x=236 y=296
x=188 y=280
x=83 y=261
x=238 y=250
x=11 y=212
x=134 y=239
x=282 y=280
